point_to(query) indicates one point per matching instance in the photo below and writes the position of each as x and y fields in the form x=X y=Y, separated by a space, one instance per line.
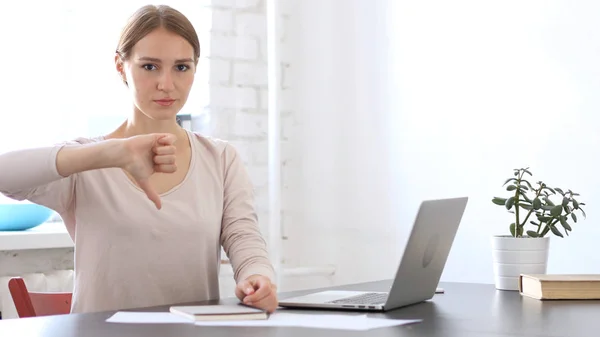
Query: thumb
x=150 y=192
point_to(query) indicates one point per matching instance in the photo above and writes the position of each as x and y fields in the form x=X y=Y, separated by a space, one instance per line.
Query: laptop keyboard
x=368 y=298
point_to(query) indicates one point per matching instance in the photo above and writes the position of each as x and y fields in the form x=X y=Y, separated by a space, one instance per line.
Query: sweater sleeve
x=240 y=233
x=31 y=174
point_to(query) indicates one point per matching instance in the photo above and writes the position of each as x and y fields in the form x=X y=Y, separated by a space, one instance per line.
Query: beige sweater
x=128 y=254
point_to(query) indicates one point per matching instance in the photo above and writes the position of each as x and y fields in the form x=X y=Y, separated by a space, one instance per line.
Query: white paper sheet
x=278 y=319
x=147 y=317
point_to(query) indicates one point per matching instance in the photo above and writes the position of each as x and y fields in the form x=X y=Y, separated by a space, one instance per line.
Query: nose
x=165 y=82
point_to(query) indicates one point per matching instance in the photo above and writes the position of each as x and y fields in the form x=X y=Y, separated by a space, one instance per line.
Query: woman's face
x=159 y=74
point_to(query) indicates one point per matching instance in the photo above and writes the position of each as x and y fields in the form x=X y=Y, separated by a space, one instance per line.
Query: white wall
x=342 y=207
x=397 y=102
x=488 y=86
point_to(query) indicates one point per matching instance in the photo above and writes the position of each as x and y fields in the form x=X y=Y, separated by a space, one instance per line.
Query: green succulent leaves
x=527 y=201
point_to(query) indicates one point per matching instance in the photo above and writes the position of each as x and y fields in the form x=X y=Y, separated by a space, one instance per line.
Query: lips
x=164 y=102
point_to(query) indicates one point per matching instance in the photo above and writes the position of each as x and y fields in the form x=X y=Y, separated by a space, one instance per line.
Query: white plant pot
x=515 y=256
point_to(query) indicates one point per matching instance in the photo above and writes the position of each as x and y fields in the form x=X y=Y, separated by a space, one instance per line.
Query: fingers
x=165 y=164
x=150 y=192
x=259 y=293
x=244 y=289
x=166 y=139
x=167 y=168
x=164 y=150
x=268 y=303
x=168 y=159
x=262 y=291
x=164 y=160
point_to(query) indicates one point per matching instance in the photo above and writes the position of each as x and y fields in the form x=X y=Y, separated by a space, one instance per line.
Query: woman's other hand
x=259 y=292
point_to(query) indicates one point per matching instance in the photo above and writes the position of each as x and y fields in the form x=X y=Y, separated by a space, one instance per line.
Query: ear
x=120 y=66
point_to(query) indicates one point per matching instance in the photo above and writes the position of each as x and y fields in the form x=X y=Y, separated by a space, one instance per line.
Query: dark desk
x=465 y=310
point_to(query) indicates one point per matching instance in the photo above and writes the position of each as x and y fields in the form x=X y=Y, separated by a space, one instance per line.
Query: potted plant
x=536 y=216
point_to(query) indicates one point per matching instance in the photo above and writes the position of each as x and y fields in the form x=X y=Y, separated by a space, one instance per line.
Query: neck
x=139 y=124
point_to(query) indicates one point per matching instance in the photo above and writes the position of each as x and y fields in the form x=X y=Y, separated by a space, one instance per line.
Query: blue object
x=19 y=217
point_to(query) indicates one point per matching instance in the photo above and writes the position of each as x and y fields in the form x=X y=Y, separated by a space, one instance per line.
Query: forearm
x=22 y=171
x=247 y=250
x=255 y=266
x=240 y=236
x=80 y=158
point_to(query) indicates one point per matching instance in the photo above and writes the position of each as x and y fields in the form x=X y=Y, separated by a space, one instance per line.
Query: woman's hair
x=150 y=17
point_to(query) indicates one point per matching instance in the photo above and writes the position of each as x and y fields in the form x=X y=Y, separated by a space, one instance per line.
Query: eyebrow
x=152 y=59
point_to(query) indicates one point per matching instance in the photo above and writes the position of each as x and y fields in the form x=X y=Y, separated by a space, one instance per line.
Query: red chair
x=32 y=304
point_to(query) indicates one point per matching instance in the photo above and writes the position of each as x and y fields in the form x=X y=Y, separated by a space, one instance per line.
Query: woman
x=149 y=205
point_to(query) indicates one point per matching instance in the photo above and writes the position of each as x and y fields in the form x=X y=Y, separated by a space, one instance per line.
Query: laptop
x=418 y=273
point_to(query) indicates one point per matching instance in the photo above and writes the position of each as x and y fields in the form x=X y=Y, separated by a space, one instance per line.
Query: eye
x=182 y=67
x=149 y=66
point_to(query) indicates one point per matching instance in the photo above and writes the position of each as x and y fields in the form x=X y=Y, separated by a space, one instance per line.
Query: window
x=58 y=75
